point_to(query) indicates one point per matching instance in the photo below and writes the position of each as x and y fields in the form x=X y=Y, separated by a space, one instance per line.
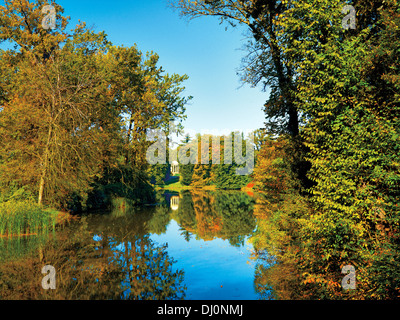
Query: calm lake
x=192 y=245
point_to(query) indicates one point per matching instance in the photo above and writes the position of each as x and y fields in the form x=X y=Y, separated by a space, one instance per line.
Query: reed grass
x=24 y=218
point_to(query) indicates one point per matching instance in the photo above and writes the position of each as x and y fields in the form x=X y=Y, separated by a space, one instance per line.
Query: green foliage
x=337 y=92
x=75 y=109
x=348 y=94
x=124 y=183
x=158 y=173
x=198 y=173
x=13 y=192
x=226 y=177
x=186 y=174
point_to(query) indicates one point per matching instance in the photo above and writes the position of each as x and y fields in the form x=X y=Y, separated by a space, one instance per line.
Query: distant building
x=174 y=167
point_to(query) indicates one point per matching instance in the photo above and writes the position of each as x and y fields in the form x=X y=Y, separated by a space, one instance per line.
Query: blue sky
x=200 y=48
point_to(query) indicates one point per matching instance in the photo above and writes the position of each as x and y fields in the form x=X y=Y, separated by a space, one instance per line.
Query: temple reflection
x=174 y=202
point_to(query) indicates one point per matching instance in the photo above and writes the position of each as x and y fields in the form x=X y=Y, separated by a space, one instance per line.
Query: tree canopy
x=75 y=109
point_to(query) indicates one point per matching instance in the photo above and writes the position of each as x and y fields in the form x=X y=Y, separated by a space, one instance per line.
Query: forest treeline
x=225 y=162
x=75 y=110
x=331 y=154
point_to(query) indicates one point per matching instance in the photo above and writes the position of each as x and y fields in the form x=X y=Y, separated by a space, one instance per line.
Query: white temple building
x=174 y=167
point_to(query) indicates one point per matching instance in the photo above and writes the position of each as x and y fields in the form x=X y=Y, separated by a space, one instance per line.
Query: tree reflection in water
x=216 y=214
x=145 y=268
x=113 y=259
x=276 y=273
x=113 y=256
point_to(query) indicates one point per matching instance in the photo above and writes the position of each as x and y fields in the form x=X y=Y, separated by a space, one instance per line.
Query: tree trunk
x=44 y=165
x=286 y=85
x=128 y=139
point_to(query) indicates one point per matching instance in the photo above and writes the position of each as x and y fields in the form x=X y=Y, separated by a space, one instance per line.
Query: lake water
x=192 y=245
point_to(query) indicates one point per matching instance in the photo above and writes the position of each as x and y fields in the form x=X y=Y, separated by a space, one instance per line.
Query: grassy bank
x=172 y=183
x=177 y=186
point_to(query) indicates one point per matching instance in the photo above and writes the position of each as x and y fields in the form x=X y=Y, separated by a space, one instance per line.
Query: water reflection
x=219 y=214
x=192 y=245
x=276 y=274
x=113 y=263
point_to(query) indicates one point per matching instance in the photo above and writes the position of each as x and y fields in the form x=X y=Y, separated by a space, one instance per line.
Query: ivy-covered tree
x=348 y=89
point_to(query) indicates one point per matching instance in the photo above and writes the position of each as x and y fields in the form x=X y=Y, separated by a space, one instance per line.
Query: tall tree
x=347 y=86
x=75 y=110
x=58 y=91
x=266 y=62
